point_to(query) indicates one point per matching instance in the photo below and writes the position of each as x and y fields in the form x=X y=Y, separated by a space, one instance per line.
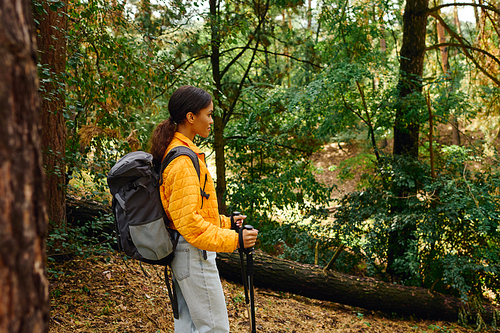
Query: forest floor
x=106 y=294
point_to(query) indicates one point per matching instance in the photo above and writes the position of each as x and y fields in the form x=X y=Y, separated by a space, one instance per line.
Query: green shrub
x=453 y=219
x=95 y=236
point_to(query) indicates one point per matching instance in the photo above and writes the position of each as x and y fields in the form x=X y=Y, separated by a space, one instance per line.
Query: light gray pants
x=202 y=306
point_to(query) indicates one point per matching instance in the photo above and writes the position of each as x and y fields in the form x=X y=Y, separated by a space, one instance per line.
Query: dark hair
x=184 y=100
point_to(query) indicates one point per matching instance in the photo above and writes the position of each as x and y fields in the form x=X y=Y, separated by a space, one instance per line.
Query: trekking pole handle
x=233 y=222
x=246 y=227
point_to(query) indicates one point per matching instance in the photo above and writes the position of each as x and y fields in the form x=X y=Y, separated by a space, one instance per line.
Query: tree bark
x=220 y=163
x=367 y=293
x=219 y=125
x=406 y=124
x=24 y=289
x=406 y=127
x=455 y=136
x=226 y=97
x=51 y=42
x=445 y=65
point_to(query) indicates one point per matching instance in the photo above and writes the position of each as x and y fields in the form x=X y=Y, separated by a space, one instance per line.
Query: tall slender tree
x=445 y=65
x=24 y=290
x=52 y=20
x=224 y=88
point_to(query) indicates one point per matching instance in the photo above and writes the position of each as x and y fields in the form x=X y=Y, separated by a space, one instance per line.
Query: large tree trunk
x=406 y=128
x=220 y=162
x=52 y=56
x=367 y=293
x=24 y=289
x=406 y=124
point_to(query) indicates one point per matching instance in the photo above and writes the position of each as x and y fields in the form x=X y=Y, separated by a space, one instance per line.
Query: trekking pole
x=246 y=274
x=249 y=282
x=240 y=251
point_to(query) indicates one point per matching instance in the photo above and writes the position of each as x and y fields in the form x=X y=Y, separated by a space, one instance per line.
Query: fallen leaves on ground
x=108 y=294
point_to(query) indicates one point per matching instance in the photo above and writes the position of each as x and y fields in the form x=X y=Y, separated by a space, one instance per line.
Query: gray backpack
x=140 y=221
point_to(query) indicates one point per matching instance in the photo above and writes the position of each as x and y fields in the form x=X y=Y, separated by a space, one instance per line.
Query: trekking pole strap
x=172 y=294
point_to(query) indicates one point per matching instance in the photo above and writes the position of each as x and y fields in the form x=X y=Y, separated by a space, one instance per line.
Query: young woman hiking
x=203 y=232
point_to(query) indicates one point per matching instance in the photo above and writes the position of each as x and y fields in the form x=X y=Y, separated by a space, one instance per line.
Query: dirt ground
x=329 y=160
x=106 y=294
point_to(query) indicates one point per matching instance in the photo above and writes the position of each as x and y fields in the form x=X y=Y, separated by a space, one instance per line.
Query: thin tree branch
x=277 y=54
x=493 y=23
x=368 y=121
x=348 y=107
x=238 y=91
x=227 y=115
x=247 y=46
x=465 y=46
x=437 y=8
x=97 y=61
x=165 y=89
x=433 y=47
x=231 y=63
x=191 y=62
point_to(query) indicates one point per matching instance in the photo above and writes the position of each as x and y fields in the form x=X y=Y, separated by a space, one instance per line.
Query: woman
x=202 y=307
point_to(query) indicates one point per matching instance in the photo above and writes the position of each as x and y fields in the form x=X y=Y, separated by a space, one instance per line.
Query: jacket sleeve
x=183 y=209
x=225 y=222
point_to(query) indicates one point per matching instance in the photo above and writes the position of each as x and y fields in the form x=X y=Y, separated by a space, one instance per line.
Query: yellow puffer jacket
x=196 y=218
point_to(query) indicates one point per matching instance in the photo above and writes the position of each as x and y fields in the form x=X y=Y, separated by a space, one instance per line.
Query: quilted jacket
x=196 y=218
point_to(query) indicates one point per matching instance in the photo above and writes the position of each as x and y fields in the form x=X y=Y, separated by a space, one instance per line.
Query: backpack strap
x=176 y=152
x=179 y=151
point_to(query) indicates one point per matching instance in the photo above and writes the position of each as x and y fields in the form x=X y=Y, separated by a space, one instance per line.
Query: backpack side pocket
x=151 y=239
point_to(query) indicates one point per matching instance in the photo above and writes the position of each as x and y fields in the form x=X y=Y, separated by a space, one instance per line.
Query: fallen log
x=311 y=281
x=368 y=293
x=80 y=212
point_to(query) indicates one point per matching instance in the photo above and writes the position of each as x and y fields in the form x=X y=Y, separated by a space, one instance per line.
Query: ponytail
x=184 y=100
x=162 y=136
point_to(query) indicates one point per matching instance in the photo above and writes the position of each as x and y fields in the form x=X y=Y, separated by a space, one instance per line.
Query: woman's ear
x=190 y=117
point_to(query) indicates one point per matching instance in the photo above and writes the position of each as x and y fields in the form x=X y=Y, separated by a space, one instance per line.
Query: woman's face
x=203 y=121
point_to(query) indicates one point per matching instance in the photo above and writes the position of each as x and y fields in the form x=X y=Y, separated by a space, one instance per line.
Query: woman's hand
x=249 y=238
x=238 y=219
